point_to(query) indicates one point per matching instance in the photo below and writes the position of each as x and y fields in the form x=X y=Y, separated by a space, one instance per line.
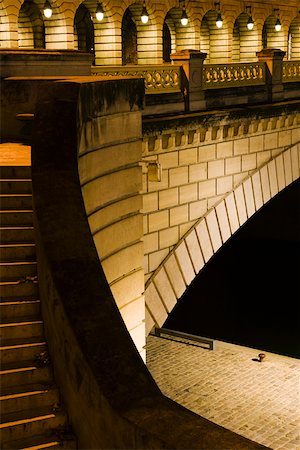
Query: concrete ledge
x=111 y=398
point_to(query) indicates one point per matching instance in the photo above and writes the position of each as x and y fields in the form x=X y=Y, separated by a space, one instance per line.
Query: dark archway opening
x=129 y=39
x=84 y=29
x=166 y=43
x=249 y=293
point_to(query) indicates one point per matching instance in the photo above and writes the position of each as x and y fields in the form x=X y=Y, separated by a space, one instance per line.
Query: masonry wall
x=199 y=164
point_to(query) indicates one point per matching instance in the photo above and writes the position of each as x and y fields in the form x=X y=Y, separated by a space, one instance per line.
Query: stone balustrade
x=231 y=75
x=291 y=71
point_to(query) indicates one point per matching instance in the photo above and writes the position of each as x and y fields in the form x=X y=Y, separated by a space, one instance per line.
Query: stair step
x=41 y=442
x=15 y=309
x=28 y=423
x=24 y=374
x=23 y=350
x=21 y=329
x=17 y=234
x=30 y=399
x=15 y=186
x=16 y=217
x=16 y=289
x=17 y=270
x=17 y=251
x=15 y=201
x=19 y=172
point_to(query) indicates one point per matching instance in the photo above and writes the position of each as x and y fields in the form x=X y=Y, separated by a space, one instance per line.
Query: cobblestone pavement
x=259 y=400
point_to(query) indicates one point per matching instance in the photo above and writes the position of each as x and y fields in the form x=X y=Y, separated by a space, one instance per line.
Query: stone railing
x=291 y=71
x=216 y=76
x=159 y=79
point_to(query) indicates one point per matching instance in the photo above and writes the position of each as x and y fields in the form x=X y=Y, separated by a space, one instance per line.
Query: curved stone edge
x=203 y=240
x=111 y=399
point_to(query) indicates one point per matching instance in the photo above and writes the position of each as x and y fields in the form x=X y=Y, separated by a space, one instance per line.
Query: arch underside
x=171 y=279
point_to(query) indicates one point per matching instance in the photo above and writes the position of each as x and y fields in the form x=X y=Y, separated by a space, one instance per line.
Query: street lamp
x=277 y=23
x=144 y=15
x=219 y=21
x=99 y=12
x=47 y=9
x=250 y=23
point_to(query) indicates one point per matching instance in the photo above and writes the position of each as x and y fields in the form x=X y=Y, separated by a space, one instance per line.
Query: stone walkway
x=259 y=400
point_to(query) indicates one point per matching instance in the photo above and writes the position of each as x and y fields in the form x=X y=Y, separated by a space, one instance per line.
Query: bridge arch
x=210 y=232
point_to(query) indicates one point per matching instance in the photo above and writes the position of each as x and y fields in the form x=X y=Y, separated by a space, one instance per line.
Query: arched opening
x=84 y=30
x=31 y=30
x=214 y=40
x=179 y=36
x=238 y=295
x=294 y=40
x=244 y=42
x=167 y=44
x=270 y=37
x=129 y=39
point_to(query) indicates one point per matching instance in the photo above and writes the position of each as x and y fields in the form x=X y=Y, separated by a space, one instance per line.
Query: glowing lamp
x=219 y=21
x=144 y=15
x=99 y=12
x=250 y=23
x=184 y=18
x=47 y=10
x=278 y=25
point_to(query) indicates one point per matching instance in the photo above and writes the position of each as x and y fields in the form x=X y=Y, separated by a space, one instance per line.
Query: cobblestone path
x=259 y=400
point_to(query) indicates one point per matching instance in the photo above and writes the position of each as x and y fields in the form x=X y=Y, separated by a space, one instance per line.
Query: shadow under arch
x=248 y=292
x=31 y=29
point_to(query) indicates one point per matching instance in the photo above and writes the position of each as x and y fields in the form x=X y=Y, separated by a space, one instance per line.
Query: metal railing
x=184 y=338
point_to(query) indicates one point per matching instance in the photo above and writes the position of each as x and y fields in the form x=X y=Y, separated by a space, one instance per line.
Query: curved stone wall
x=202 y=241
x=111 y=398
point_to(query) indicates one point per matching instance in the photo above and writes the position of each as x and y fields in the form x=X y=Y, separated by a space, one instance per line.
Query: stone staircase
x=30 y=411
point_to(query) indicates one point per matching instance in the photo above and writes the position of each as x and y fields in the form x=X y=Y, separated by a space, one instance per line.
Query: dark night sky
x=249 y=292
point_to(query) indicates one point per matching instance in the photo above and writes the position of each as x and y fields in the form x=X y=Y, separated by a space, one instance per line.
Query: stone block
x=280 y=172
x=158 y=221
x=271 y=141
x=256 y=143
x=133 y=313
x=204 y=240
x=257 y=190
x=138 y=335
x=287 y=167
x=150 y=242
x=168 y=198
x=241 y=146
x=149 y=322
x=165 y=290
x=207 y=189
x=223 y=221
x=284 y=138
x=207 y=153
x=249 y=197
x=155 y=305
x=265 y=184
x=126 y=260
x=248 y=162
x=150 y=202
x=224 y=149
x=295 y=162
x=224 y=185
x=232 y=212
x=156 y=258
x=263 y=157
x=215 y=169
x=175 y=276
x=197 y=209
x=233 y=165
x=213 y=229
x=273 y=178
x=188 y=193
x=129 y=287
x=168 y=237
x=198 y=172
x=240 y=204
x=168 y=160
x=178 y=176
x=179 y=214
x=188 y=156
x=193 y=246
x=185 y=263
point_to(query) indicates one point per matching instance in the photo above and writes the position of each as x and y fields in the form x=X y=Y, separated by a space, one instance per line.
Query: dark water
x=249 y=293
